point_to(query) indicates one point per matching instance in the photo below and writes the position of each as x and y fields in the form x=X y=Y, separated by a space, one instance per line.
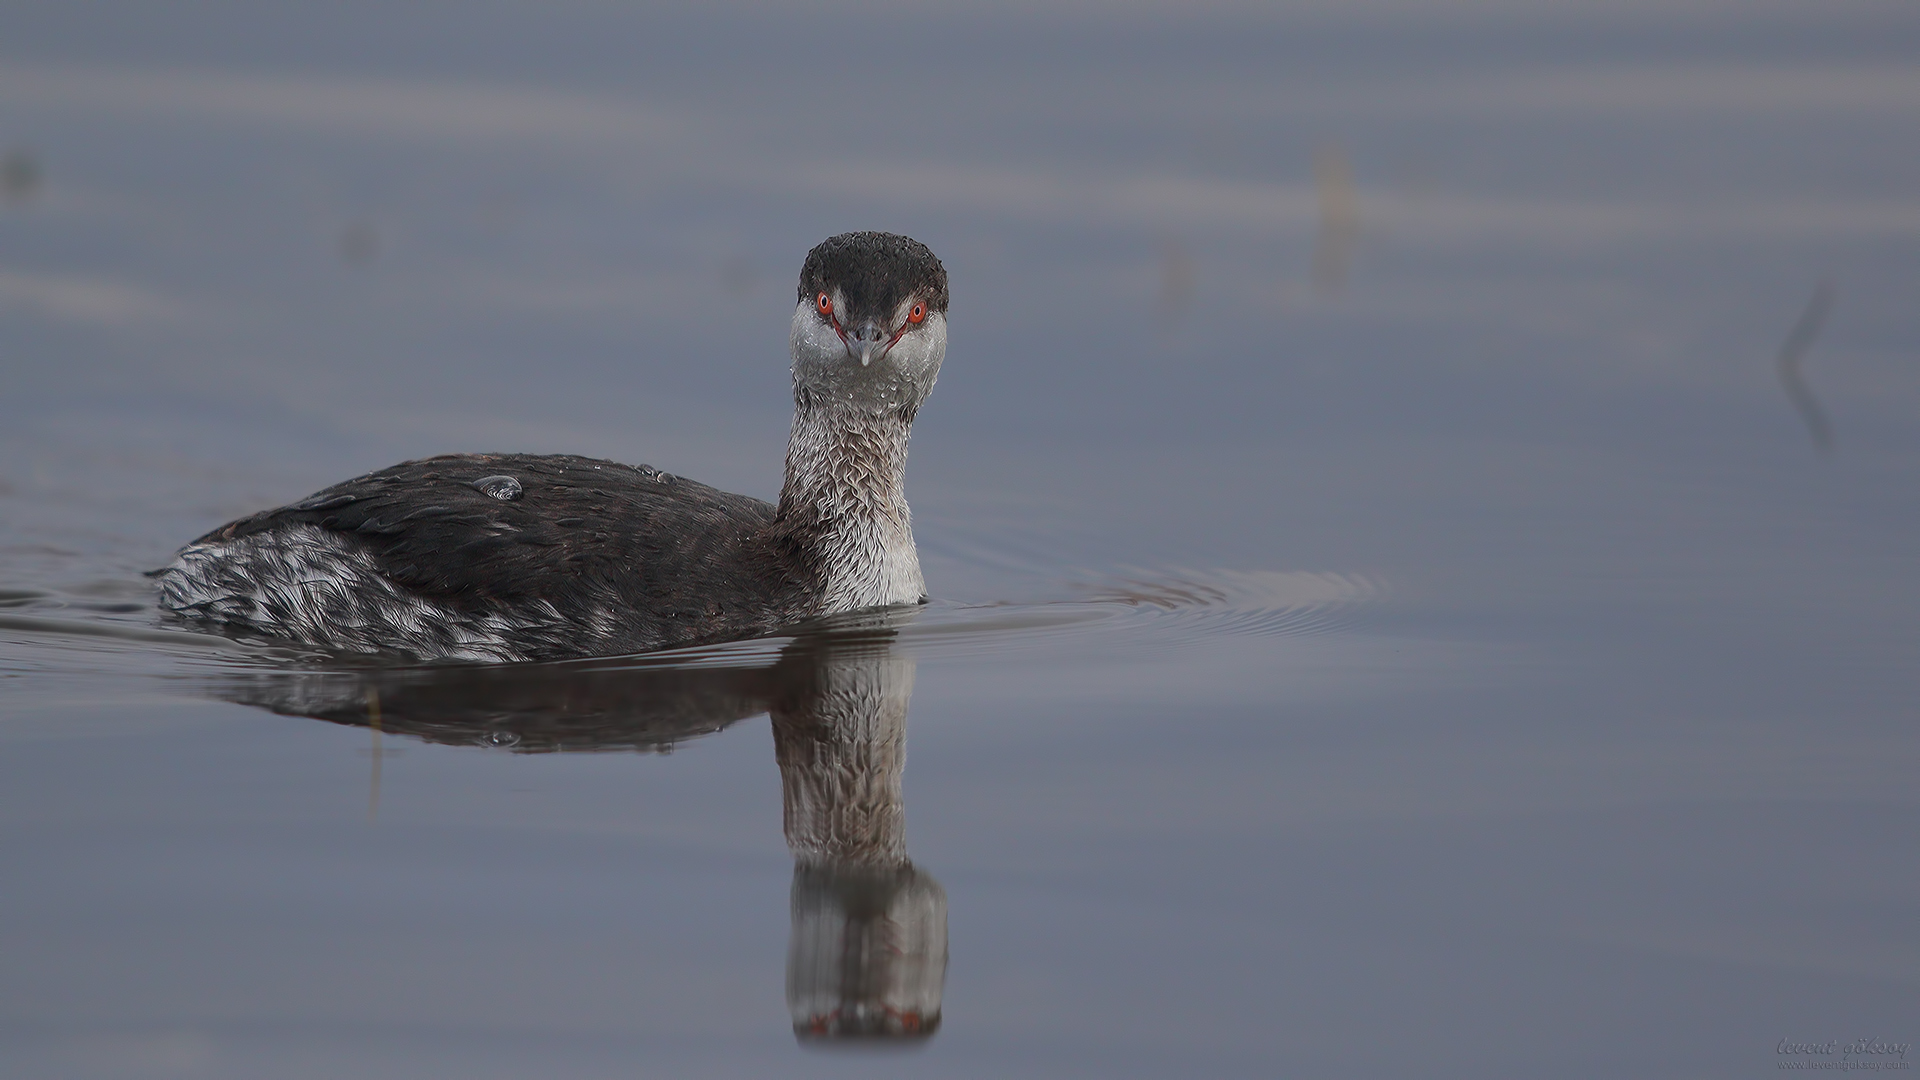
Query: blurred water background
x=1422 y=507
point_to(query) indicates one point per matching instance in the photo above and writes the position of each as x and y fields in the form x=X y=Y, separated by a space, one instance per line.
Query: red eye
x=918 y=315
x=825 y=304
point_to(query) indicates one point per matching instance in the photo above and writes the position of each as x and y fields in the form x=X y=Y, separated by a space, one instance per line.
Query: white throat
x=846 y=473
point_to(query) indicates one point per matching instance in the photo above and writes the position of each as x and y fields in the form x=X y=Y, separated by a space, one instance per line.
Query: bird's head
x=870 y=328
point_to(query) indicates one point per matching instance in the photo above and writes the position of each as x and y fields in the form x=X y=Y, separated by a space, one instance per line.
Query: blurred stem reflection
x=867 y=958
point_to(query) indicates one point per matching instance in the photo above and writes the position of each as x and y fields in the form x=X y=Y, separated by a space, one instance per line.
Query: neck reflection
x=868 y=954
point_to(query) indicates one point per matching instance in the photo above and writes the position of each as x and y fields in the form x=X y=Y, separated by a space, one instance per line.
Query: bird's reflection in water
x=868 y=954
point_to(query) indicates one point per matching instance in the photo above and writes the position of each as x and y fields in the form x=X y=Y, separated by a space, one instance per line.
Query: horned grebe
x=503 y=557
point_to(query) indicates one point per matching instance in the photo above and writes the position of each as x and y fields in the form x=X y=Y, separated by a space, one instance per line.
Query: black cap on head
x=874 y=272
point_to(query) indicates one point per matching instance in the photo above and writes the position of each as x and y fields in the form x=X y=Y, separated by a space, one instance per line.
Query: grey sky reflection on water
x=1799 y=340
x=867 y=958
x=1602 y=778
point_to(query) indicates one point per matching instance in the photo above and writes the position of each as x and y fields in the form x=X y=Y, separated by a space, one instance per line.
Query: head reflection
x=867 y=959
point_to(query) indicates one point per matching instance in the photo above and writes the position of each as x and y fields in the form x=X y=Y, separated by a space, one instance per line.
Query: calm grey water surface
x=1397 y=608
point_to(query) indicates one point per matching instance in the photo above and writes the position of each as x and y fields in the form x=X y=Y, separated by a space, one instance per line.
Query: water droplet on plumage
x=504 y=488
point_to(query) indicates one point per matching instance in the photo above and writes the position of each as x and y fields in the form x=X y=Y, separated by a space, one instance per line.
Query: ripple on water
x=113 y=628
x=100 y=630
x=1166 y=608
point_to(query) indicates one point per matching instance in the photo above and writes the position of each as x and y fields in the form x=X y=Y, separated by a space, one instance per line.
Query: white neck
x=845 y=498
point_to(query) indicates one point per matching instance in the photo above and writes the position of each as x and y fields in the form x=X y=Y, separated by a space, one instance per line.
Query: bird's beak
x=865 y=342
